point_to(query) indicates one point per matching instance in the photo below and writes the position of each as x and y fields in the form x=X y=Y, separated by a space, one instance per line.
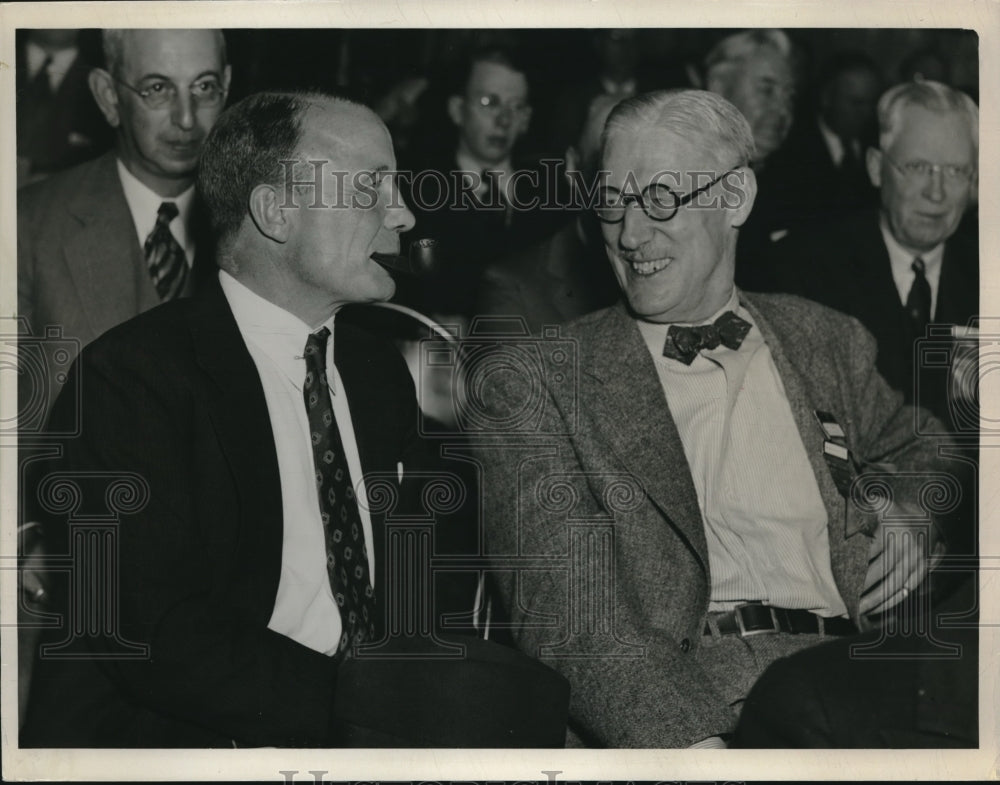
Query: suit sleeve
x=890 y=433
x=640 y=687
x=209 y=664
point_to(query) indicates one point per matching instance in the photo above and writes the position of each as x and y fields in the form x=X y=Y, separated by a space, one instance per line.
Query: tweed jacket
x=604 y=451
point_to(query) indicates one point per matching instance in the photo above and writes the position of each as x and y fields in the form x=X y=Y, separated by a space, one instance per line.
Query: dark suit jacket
x=551 y=282
x=605 y=449
x=470 y=235
x=845 y=265
x=80 y=268
x=63 y=128
x=174 y=398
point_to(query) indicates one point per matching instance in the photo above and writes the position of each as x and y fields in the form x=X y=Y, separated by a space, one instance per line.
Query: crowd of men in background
x=864 y=202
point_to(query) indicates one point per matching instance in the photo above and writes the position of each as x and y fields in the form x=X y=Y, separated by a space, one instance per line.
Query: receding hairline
x=113 y=42
x=337 y=108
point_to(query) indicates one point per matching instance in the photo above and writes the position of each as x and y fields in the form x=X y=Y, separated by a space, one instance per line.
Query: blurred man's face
x=848 y=106
x=160 y=146
x=924 y=210
x=492 y=114
x=679 y=270
x=763 y=90
x=329 y=247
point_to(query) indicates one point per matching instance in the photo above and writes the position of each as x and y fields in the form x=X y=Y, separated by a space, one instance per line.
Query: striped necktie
x=165 y=258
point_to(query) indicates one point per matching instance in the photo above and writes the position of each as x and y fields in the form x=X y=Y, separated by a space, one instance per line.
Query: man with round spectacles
x=734 y=423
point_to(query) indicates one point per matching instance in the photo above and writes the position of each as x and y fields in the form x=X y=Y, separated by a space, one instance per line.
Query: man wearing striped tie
x=111 y=238
x=698 y=492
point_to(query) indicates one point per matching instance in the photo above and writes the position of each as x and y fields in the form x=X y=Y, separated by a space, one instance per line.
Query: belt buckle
x=741 y=624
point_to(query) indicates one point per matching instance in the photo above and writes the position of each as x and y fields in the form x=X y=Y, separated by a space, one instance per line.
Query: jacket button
x=686 y=645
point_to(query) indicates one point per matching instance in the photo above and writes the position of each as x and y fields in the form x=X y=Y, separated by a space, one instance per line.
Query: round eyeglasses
x=160 y=93
x=920 y=170
x=657 y=200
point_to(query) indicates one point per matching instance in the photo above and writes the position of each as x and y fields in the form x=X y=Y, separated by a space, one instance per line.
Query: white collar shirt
x=304 y=609
x=144 y=204
x=765 y=520
x=901 y=261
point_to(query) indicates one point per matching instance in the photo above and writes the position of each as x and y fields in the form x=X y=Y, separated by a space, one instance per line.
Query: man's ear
x=268 y=216
x=456 y=104
x=739 y=191
x=102 y=86
x=873 y=162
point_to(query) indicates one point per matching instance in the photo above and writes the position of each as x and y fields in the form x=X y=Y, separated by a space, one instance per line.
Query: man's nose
x=635 y=227
x=934 y=187
x=398 y=217
x=183 y=110
x=505 y=116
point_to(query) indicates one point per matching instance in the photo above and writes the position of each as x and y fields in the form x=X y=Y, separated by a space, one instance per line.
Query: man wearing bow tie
x=737 y=422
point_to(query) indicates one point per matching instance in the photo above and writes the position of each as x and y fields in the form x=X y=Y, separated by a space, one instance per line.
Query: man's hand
x=900 y=557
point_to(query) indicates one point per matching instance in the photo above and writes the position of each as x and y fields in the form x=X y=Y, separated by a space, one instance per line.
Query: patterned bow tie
x=684 y=343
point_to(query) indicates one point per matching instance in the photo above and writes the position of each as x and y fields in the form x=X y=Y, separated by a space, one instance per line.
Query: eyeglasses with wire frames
x=657 y=200
x=160 y=93
x=920 y=170
x=491 y=103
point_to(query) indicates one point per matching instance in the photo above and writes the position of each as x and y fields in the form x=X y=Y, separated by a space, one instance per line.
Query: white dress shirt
x=144 y=204
x=901 y=261
x=467 y=163
x=62 y=61
x=305 y=609
x=765 y=521
x=835 y=145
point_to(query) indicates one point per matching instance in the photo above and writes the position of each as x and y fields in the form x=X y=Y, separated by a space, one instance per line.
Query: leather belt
x=758 y=619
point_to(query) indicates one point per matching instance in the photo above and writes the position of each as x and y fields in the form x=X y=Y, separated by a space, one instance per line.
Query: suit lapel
x=630 y=410
x=958 y=291
x=103 y=255
x=848 y=553
x=239 y=414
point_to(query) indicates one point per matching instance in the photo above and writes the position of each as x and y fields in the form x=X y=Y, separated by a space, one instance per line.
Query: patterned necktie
x=346 y=554
x=684 y=343
x=918 y=301
x=167 y=263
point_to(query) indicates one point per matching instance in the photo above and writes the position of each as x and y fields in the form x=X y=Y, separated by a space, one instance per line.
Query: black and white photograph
x=555 y=391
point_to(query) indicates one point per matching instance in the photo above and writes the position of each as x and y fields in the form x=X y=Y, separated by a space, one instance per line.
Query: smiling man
x=715 y=434
x=113 y=237
x=253 y=566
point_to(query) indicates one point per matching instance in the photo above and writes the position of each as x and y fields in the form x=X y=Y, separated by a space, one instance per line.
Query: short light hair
x=113 y=44
x=697 y=115
x=930 y=95
x=728 y=57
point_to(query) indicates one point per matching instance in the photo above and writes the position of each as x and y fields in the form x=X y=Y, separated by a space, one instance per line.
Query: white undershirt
x=304 y=609
x=144 y=203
